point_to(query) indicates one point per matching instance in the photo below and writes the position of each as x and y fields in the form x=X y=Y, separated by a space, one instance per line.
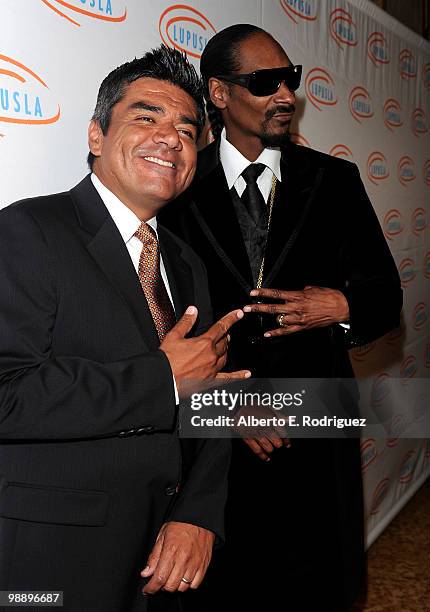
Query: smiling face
x=253 y=123
x=148 y=155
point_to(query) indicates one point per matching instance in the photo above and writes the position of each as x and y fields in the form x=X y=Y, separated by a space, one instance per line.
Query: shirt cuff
x=176 y=391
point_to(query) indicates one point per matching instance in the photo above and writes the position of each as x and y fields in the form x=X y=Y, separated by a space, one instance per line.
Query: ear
x=219 y=93
x=95 y=138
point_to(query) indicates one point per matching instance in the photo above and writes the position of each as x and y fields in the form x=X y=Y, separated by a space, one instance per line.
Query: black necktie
x=252 y=196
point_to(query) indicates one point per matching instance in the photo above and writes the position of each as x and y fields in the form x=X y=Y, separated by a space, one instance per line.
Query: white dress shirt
x=234 y=163
x=127 y=223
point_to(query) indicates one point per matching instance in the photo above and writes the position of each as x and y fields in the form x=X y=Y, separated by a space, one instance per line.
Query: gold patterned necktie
x=152 y=283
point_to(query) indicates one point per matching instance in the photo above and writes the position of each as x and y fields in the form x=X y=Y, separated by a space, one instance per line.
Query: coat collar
x=215 y=213
x=108 y=249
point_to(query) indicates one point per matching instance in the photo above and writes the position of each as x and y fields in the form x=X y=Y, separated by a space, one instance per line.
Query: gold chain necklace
x=271 y=200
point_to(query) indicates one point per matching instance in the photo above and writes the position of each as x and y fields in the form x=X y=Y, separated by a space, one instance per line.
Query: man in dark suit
x=289 y=234
x=96 y=498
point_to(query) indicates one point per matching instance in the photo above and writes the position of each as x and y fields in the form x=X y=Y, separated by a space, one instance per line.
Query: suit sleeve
x=373 y=289
x=47 y=397
x=201 y=500
x=202 y=496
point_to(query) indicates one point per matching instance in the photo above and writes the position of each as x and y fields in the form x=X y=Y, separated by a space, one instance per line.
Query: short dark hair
x=162 y=63
x=221 y=56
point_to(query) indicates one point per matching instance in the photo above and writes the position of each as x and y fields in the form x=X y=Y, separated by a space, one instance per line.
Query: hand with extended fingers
x=200 y=358
x=299 y=310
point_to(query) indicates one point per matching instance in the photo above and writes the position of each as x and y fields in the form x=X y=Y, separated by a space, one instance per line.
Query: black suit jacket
x=307 y=502
x=90 y=460
x=324 y=232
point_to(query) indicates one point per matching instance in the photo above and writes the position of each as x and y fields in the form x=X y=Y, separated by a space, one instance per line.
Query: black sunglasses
x=266 y=82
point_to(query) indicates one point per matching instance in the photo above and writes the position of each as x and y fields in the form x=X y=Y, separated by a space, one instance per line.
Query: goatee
x=275 y=140
x=269 y=139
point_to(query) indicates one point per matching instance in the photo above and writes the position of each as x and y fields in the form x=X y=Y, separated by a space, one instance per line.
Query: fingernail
x=248 y=375
x=267 y=335
x=191 y=310
x=247 y=309
x=145 y=570
x=253 y=292
x=239 y=314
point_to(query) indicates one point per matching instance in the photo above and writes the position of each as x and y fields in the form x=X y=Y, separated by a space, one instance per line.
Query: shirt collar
x=234 y=163
x=123 y=217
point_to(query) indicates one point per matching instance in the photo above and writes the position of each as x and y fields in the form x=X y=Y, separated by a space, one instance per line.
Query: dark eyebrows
x=189 y=121
x=141 y=105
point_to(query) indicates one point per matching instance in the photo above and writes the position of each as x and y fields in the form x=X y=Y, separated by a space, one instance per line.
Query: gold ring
x=186 y=581
x=280 y=319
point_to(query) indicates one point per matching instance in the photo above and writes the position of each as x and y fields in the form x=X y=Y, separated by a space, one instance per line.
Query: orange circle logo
x=392 y=224
x=74 y=11
x=377 y=49
x=407 y=64
x=419 y=221
x=186 y=29
x=341 y=150
x=407 y=271
x=419 y=122
x=25 y=97
x=320 y=88
x=406 y=170
x=305 y=9
x=342 y=28
x=379 y=495
x=377 y=167
x=392 y=114
x=360 y=104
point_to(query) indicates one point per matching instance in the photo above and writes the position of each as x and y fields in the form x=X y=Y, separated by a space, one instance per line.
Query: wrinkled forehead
x=260 y=51
x=157 y=93
x=152 y=87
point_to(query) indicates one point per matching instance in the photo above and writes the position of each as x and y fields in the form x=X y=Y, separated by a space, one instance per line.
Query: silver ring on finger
x=280 y=319
x=186 y=581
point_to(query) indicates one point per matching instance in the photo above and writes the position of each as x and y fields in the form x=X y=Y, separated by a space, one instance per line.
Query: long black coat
x=90 y=461
x=307 y=503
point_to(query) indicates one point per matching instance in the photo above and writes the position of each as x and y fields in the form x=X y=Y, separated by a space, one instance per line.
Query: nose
x=167 y=134
x=284 y=95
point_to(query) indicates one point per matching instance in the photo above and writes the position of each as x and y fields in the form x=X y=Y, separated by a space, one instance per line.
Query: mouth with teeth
x=160 y=162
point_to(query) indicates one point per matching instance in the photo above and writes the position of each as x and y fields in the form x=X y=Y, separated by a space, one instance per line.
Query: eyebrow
x=141 y=105
x=189 y=121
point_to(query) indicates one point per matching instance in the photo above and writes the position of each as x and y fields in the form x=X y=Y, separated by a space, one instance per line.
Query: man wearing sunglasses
x=280 y=228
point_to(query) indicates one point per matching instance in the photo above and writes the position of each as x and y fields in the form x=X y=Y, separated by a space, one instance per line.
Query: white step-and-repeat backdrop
x=365 y=96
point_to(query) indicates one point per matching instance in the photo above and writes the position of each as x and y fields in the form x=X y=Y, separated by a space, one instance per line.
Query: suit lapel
x=107 y=248
x=214 y=210
x=300 y=180
x=178 y=272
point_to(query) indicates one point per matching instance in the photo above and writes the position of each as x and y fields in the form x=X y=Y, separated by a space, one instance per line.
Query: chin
x=275 y=139
x=161 y=192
